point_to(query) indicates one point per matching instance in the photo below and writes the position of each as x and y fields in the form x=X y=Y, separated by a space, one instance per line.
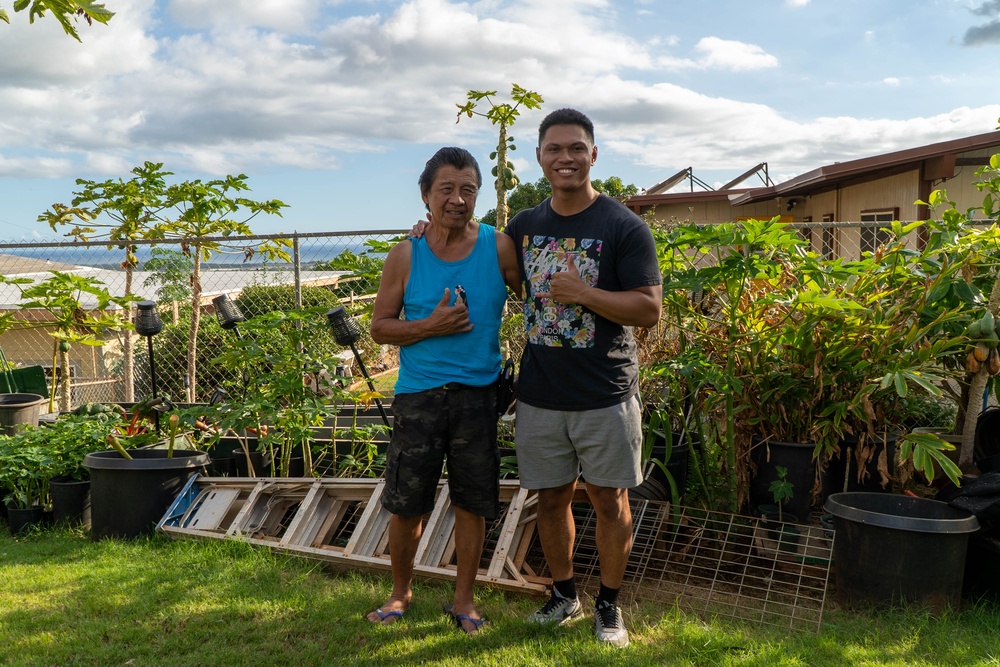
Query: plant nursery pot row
x=802 y=471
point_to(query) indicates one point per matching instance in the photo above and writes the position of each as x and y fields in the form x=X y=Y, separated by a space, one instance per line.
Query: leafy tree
x=525 y=195
x=202 y=216
x=171 y=273
x=134 y=207
x=60 y=296
x=529 y=195
x=65 y=11
x=614 y=187
x=503 y=115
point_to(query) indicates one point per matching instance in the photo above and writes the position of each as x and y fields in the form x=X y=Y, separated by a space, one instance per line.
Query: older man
x=451 y=287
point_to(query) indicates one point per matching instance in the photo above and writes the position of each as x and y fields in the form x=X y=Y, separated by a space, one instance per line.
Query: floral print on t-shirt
x=550 y=322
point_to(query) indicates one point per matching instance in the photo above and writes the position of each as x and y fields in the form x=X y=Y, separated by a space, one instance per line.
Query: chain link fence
x=322 y=271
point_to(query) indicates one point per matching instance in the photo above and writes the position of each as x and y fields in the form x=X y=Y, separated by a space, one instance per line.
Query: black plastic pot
x=128 y=497
x=797 y=460
x=871 y=479
x=780 y=529
x=986 y=447
x=17 y=410
x=891 y=549
x=70 y=500
x=223 y=466
x=19 y=520
x=655 y=485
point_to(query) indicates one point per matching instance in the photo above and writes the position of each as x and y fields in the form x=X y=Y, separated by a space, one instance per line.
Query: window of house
x=872 y=234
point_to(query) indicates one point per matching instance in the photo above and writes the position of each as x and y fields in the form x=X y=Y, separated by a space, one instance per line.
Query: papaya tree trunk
x=65 y=395
x=128 y=349
x=192 y=351
x=501 y=183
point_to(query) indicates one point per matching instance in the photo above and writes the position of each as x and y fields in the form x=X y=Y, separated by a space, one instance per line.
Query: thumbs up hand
x=565 y=286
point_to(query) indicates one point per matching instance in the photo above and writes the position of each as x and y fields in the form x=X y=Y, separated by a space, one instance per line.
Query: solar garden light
x=148 y=324
x=228 y=315
x=346 y=332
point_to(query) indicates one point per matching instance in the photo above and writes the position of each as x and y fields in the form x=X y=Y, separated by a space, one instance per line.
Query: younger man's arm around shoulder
x=388 y=329
x=507 y=258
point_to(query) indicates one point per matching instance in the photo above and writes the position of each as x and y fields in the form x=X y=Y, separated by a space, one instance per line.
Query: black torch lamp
x=148 y=324
x=346 y=332
x=228 y=315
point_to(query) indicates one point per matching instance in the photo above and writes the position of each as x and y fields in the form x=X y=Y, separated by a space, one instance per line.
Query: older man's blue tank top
x=473 y=357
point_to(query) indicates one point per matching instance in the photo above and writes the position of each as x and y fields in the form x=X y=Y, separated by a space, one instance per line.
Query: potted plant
x=799 y=349
x=69 y=439
x=24 y=474
x=132 y=485
x=282 y=410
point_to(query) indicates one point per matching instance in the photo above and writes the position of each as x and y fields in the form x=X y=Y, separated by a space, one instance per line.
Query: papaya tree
x=502 y=114
x=984 y=332
x=133 y=207
x=206 y=216
x=81 y=311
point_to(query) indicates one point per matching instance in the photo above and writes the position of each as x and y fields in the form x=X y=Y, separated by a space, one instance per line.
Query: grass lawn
x=65 y=600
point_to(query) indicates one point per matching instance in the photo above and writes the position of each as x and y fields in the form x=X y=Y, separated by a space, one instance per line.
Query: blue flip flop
x=458 y=618
x=382 y=615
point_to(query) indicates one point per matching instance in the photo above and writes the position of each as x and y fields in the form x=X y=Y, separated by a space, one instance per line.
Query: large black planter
x=70 y=500
x=128 y=497
x=891 y=549
x=797 y=459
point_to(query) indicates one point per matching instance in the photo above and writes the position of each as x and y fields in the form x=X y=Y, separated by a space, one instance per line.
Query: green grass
x=65 y=600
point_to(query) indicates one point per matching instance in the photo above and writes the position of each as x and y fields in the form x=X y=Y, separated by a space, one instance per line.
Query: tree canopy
x=528 y=195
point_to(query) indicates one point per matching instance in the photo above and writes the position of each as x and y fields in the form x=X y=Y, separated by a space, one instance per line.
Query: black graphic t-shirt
x=575 y=359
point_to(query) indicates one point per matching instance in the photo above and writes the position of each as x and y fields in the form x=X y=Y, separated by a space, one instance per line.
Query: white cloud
x=733 y=55
x=284 y=15
x=263 y=88
x=796 y=3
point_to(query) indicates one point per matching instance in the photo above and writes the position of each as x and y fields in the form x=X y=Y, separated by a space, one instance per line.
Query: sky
x=334 y=106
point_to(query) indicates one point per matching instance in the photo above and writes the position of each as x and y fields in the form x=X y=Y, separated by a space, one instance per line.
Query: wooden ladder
x=342 y=522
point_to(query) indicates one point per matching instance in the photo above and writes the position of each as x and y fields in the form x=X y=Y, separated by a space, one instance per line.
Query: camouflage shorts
x=456 y=423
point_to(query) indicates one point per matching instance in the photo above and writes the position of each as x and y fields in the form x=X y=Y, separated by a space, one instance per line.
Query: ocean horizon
x=311 y=251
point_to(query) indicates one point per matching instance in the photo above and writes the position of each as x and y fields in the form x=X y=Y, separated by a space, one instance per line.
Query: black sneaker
x=558 y=610
x=609 y=625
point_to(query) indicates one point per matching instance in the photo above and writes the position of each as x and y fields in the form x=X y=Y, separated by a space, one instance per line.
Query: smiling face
x=451 y=198
x=566 y=154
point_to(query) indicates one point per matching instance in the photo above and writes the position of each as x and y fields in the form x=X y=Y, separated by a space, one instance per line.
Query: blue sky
x=333 y=106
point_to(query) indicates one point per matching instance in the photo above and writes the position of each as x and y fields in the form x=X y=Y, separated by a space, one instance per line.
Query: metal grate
x=715 y=564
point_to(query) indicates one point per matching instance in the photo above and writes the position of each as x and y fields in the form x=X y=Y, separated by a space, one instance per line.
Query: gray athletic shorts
x=553 y=446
